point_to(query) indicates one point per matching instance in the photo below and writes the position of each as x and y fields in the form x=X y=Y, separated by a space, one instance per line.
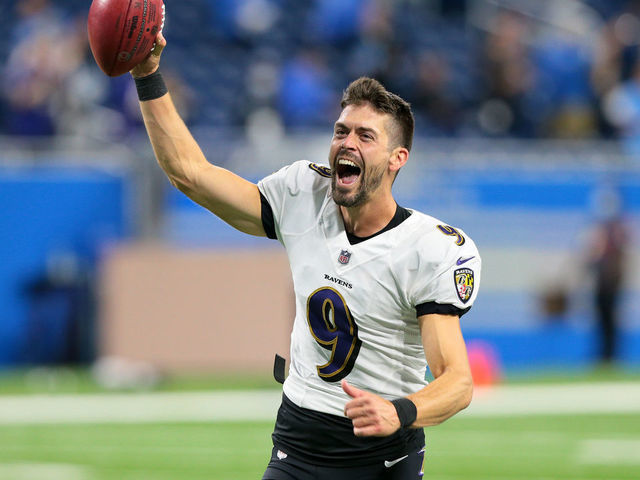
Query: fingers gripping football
x=370 y=414
x=152 y=62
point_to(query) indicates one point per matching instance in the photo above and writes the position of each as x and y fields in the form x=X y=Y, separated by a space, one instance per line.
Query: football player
x=379 y=288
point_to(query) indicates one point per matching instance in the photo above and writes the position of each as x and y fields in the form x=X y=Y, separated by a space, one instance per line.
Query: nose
x=349 y=142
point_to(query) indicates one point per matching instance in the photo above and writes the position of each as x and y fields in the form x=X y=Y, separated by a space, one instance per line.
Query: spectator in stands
x=621 y=106
x=509 y=78
x=606 y=72
x=33 y=17
x=616 y=77
x=336 y=22
x=563 y=63
x=52 y=87
x=437 y=105
x=533 y=85
x=80 y=106
x=45 y=49
x=307 y=97
x=243 y=20
x=374 y=52
x=29 y=77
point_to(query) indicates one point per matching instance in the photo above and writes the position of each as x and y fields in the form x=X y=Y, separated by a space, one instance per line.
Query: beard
x=369 y=180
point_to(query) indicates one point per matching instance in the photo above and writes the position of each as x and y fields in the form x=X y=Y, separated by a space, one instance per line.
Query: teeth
x=346 y=162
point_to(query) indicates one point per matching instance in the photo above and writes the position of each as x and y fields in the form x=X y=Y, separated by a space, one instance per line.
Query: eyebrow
x=358 y=129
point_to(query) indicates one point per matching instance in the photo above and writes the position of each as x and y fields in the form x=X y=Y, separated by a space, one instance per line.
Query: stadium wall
x=189 y=310
x=54 y=223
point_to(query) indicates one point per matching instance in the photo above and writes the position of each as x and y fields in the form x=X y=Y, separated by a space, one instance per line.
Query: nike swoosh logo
x=461 y=260
x=391 y=463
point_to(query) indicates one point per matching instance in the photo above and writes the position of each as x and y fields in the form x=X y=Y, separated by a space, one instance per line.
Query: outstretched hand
x=371 y=415
x=150 y=64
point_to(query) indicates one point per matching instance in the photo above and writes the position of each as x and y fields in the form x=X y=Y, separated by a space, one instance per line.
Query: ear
x=398 y=158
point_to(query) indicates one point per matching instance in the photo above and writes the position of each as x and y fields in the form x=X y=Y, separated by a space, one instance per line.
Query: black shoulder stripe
x=320 y=169
x=268 y=222
x=440 y=308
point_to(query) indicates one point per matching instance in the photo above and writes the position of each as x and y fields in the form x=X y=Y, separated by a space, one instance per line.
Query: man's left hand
x=371 y=415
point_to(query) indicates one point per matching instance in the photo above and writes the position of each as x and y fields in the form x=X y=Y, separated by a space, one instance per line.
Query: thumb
x=160 y=43
x=150 y=64
x=350 y=390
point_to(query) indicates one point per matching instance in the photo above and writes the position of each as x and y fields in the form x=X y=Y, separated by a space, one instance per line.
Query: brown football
x=122 y=32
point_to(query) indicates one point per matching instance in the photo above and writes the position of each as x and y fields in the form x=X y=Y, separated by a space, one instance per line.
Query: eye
x=367 y=137
x=340 y=132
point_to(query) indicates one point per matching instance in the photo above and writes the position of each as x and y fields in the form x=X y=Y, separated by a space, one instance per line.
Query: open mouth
x=347 y=171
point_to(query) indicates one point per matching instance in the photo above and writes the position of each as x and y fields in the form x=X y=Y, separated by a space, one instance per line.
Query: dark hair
x=369 y=90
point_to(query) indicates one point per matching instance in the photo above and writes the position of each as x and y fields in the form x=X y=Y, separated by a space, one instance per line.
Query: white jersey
x=356 y=304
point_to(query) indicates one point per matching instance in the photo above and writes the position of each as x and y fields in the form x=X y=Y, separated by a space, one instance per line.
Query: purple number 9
x=452 y=232
x=333 y=327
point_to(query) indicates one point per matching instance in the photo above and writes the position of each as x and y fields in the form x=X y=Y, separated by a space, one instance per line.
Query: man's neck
x=369 y=218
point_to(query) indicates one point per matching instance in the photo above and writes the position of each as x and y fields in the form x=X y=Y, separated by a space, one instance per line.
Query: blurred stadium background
x=528 y=137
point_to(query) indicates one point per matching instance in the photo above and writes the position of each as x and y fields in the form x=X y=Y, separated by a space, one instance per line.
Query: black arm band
x=151 y=87
x=407 y=411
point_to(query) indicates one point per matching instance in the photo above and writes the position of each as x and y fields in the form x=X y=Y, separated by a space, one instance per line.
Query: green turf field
x=480 y=446
x=603 y=447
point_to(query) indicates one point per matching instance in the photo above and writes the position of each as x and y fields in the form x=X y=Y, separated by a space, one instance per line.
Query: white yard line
x=50 y=471
x=140 y=407
x=262 y=405
x=578 y=398
x=619 y=451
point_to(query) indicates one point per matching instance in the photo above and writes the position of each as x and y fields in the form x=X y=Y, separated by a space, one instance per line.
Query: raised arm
x=230 y=197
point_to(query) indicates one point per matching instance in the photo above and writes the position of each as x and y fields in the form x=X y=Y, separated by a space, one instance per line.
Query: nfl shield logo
x=464 y=283
x=344 y=257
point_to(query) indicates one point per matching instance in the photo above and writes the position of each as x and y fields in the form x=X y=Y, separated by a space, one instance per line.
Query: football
x=122 y=32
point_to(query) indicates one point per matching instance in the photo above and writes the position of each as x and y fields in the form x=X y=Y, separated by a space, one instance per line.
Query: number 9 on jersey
x=334 y=329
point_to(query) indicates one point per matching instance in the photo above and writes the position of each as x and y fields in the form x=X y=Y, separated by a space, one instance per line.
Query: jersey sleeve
x=451 y=285
x=284 y=209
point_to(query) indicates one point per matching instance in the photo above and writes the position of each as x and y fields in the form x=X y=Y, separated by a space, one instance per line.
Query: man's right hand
x=150 y=64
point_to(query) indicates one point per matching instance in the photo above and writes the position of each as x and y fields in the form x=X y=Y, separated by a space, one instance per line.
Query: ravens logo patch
x=463 y=278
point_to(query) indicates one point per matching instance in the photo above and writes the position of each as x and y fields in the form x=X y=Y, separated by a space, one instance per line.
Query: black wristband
x=407 y=411
x=151 y=87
